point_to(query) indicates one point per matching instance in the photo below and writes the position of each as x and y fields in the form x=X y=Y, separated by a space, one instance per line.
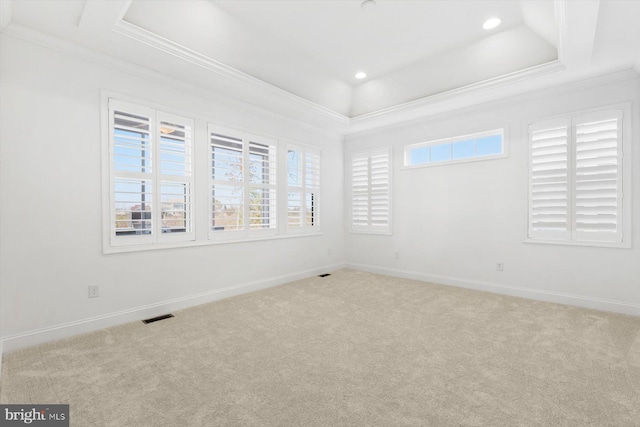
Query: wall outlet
x=500 y=266
x=93 y=291
x=329 y=251
x=397 y=255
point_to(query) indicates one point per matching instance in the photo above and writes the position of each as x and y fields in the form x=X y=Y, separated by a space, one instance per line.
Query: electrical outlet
x=329 y=251
x=93 y=291
x=500 y=266
x=397 y=255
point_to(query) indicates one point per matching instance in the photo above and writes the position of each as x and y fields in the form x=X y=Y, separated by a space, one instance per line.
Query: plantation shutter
x=175 y=146
x=262 y=184
x=380 y=191
x=360 y=192
x=598 y=177
x=132 y=160
x=311 y=187
x=549 y=189
x=371 y=191
x=227 y=181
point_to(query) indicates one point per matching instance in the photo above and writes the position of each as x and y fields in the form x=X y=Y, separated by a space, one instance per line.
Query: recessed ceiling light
x=361 y=75
x=491 y=23
x=368 y=4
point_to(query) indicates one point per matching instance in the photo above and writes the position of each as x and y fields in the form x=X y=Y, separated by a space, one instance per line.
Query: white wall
x=50 y=215
x=452 y=223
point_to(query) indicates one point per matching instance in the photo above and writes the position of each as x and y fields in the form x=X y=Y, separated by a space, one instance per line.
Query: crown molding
x=450 y=100
x=324 y=124
x=151 y=39
x=530 y=95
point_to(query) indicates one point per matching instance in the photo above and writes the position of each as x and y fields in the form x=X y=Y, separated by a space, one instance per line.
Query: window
x=248 y=186
x=303 y=189
x=576 y=179
x=243 y=184
x=371 y=191
x=478 y=146
x=151 y=179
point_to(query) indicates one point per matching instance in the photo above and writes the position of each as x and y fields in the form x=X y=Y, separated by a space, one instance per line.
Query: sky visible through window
x=490 y=145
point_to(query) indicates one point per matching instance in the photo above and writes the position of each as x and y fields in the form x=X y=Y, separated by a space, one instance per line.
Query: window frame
x=502 y=131
x=370 y=229
x=623 y=112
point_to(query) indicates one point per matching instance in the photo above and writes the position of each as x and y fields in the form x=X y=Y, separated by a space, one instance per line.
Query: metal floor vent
x=155 y=319
x=324 y=275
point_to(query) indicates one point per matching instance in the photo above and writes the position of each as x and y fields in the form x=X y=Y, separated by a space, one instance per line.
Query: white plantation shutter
x=371 y=191
x=243 y=184
x=549 y=189
x=262 y=185
x=175 y=143
x=151 y=181
x=576 y=178
x=311 y=187
x=598 y=177
x=303 y=189
x=360 y=192
x=227 y=180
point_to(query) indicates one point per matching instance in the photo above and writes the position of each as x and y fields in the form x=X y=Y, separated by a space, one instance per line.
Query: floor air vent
x=324 y=275
x=155 y=319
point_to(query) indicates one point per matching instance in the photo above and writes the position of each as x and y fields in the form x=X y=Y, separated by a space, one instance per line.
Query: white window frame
x=245 y=233
x=574 y=237
x=304 y=190
x=502 y=131
x=111 y=240
x=368 y=155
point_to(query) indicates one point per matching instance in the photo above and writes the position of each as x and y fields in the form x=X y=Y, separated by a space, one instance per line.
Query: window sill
x=623 y=245
x=195 y=243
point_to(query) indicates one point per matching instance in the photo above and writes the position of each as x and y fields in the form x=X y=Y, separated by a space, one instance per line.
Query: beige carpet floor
x=351 y=349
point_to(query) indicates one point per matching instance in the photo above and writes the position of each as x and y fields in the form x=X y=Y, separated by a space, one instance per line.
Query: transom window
x=477 y=146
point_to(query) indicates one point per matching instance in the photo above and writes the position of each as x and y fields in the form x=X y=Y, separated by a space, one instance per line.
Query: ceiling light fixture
x=361 y=75
x=368 y=4
x=491 y=23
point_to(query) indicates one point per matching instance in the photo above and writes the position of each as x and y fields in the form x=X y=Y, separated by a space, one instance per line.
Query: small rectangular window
x=479 y=146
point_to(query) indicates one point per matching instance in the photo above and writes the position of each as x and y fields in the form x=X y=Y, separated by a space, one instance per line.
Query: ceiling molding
x=151 y=39
x=319 y=126
x=99 y=16
x=532 y=95
x=449 y=100
x=5 y=14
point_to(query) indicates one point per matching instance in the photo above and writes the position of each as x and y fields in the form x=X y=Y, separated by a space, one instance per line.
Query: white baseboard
x=18 y=341
x=534 y=294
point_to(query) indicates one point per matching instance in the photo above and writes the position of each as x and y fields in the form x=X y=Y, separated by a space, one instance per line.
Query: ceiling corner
x=577 y=25
x=102 y=15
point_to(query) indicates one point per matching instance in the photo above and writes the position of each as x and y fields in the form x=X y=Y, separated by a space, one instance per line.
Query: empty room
x=319 y=213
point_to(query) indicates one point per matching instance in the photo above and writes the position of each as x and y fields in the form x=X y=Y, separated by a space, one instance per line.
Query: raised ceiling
x=409 y=49
x=306 y=51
